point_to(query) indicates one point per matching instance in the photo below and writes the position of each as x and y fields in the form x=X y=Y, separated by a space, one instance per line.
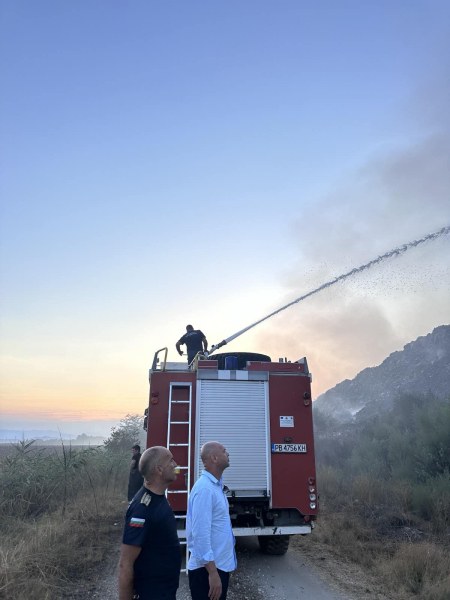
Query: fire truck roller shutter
x=236 y=414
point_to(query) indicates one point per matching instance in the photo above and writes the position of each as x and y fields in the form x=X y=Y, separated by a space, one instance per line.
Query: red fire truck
x=261 y=411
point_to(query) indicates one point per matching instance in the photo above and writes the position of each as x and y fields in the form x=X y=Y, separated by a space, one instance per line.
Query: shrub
x=36 y=480
x=126 y=434
x=416 y=568
x=431 y=501
x=330 y=484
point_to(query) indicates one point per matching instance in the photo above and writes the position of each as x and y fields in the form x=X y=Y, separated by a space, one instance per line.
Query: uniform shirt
x=208 y=525
x=150 y=524
x=193 y=340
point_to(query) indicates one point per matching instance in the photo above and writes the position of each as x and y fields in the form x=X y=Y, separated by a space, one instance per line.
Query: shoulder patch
x=146 y=499
x=136 y=522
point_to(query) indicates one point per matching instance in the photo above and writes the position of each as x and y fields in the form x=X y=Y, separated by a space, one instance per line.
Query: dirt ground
x=352 y=580
x=308 y=571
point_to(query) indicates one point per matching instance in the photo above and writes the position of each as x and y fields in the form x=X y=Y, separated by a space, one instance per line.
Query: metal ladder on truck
x=180 y=444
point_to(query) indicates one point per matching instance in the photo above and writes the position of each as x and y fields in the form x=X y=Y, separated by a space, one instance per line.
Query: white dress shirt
x=208 y=525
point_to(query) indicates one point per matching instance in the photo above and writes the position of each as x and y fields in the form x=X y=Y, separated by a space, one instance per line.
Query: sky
x=175 y=162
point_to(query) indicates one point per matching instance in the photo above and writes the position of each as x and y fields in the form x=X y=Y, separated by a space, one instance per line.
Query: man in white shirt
x=209 y=534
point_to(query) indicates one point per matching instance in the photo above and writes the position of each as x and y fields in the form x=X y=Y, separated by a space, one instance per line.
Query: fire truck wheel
x=274 y=544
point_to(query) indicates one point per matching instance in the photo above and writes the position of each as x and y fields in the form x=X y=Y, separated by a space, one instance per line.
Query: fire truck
x=261 y=411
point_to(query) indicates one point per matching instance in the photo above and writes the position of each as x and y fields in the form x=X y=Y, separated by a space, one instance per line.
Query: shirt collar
x=213 y=479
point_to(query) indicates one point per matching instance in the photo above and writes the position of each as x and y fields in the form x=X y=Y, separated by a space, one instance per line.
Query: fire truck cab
x=261 y=411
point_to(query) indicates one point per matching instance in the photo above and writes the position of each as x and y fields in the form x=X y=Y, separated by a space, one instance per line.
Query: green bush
x=129 y=432
x=36 y=480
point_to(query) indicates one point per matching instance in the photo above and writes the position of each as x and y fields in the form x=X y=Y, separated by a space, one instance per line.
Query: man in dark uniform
x=150 y=557
x=195 y=341
x=135 y=479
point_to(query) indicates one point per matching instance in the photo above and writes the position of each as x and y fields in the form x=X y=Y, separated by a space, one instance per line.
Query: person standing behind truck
x=209 y=533
x=150 y=556
x=135 y=479
x=195 y=341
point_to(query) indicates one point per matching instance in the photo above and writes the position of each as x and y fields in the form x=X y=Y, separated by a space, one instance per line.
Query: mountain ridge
x=421 y=368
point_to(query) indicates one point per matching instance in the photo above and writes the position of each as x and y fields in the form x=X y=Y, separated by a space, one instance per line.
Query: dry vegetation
x=60 y=511
x=385 y=498
x=385 y=508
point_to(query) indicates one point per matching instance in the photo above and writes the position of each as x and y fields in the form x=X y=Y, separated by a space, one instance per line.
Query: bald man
x=209 y=533
x=150 y=557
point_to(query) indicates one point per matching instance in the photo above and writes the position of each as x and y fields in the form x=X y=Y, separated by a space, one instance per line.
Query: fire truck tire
x=274 y=544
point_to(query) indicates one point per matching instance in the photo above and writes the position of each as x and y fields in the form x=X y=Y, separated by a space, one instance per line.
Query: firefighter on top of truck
x=195 y=341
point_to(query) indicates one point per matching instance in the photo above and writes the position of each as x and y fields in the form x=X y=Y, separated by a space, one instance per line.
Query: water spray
x=391 y=254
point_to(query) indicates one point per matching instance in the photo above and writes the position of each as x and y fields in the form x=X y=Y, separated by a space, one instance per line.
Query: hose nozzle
x=217 y=346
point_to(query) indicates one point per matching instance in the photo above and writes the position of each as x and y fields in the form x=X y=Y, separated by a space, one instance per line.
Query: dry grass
x=57 y=515
x=420 y=569
x=60 y=511
x=370 y=526
x=375 y=566
x=39 y=559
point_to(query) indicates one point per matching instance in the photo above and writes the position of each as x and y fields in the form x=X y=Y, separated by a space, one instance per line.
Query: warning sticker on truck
x=289 y=448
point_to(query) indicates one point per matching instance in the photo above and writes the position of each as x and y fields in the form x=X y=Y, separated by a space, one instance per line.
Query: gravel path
x=259 y=577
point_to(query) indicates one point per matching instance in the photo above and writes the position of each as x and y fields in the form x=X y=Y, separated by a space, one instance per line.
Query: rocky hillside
x=422 y=367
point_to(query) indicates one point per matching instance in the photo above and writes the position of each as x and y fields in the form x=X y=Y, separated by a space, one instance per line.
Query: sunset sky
x=174 y=162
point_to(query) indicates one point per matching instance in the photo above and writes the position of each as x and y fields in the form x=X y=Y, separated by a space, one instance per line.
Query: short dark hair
x=136 y=447
x=189 y=327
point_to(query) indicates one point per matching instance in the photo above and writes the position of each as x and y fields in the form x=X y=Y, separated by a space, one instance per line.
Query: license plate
x=289 y=448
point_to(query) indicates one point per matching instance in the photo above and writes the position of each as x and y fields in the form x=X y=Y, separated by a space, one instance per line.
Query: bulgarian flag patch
x=135 y=522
